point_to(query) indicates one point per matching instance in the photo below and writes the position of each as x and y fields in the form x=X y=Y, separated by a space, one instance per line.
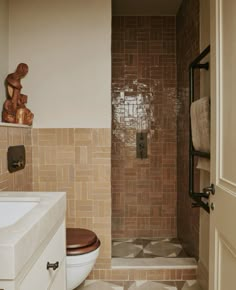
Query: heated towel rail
x=197 y=196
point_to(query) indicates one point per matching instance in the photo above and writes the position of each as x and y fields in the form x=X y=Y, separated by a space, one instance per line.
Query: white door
x=223 y=146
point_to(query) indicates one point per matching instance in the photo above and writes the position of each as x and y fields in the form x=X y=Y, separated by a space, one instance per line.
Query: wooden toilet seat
x=80 y=241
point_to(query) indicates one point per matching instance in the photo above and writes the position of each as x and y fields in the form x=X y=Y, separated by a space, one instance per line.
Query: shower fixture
x=141 y=145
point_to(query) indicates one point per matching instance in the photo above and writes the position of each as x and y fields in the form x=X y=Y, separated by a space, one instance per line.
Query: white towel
x=200 y=125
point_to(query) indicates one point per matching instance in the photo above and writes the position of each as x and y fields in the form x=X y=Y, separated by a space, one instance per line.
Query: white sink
x=27 y=220
x=12 y=211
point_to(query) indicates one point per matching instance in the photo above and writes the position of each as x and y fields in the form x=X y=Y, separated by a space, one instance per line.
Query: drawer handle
x=53 y=266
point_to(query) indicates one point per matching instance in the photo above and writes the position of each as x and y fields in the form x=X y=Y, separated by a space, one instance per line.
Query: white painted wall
x=67 y=45
x=3 y=48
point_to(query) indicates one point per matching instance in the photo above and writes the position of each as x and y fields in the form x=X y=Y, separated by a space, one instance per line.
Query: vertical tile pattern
x=78 y=161
x=20 y=180
x=187 y=23
x=144 y=99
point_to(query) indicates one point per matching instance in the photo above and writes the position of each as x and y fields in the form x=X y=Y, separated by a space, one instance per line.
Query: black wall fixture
x=141 y=145
x=198 y=197
x=16 y=158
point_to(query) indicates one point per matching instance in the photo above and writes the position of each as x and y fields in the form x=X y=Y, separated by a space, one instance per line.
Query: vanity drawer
x=39 y=277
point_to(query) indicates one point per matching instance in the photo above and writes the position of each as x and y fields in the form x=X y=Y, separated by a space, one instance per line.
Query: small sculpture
x=14 y=108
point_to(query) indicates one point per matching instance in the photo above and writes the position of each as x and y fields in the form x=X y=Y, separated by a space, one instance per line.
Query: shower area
x=152 y=217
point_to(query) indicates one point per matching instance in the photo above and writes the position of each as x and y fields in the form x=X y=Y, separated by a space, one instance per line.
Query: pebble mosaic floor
x=146 y=248
x=139 y=285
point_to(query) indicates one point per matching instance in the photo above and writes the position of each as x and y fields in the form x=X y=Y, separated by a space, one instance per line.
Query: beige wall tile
x=3 y=139
x=65 y=155
x=15 y=136
x=47 y=137
x=83 y=137
x=47 y=155
x=78 y=161
x=65 y=137
x=84 y=172
x=47 y=173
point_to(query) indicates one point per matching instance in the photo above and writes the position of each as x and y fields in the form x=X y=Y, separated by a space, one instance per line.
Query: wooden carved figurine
x=14 y=108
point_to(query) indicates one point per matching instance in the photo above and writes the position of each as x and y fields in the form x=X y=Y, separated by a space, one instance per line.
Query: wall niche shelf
x=3 y=124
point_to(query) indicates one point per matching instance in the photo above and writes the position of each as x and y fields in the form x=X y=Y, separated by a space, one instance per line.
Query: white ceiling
x=145 y=7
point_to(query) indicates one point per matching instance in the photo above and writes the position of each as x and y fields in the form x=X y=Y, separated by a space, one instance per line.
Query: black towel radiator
x=197 y=196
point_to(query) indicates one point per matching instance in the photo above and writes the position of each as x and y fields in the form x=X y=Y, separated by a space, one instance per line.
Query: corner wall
x=187 y=24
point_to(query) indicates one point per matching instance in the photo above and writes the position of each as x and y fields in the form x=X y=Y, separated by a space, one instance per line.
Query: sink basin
x=12 y=211
x=27 y=220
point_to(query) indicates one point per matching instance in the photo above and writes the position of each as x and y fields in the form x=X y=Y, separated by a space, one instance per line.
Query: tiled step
x=139 y=285
x=154 y=263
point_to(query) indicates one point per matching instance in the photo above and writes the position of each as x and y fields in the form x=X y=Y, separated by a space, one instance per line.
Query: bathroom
x=83 y=139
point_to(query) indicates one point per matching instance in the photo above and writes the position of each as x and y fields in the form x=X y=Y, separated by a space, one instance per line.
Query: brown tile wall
x=78 y=161
x=187 y=27
x=144 y=99
x=20 y=180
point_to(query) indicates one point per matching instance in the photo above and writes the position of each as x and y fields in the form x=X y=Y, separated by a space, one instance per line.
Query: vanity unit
x=32 y=241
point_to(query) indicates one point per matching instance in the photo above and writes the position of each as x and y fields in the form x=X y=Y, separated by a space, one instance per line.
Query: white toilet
x=82 y=249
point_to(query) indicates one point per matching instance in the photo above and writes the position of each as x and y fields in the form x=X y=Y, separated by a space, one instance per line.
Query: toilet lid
x=82 y=251
x=79 y=238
